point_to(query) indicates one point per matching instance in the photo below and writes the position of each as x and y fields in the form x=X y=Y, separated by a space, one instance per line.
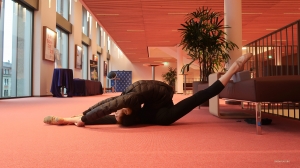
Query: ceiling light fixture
x=251 y=13
x=177 y=13
x=107 y=14
x=135 y=30
x=291 y=13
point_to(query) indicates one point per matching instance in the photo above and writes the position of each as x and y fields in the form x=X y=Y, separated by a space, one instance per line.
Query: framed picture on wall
x=78 y=57
x=105 y=68
x=94 y=70
x=49 y=44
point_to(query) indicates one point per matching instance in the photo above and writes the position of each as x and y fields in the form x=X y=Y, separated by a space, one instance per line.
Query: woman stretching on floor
x=156 y=98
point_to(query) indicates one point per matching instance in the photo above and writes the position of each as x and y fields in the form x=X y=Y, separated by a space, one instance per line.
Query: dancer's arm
x=130 y=100
x=99 y=103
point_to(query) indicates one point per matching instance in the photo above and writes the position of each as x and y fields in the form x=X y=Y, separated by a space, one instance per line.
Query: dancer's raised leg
x=168 y=115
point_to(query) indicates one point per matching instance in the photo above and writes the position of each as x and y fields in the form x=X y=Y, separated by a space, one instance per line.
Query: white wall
x=43 y=70
x=76 y=36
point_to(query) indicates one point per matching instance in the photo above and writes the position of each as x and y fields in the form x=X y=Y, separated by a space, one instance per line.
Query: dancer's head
x=126 y=117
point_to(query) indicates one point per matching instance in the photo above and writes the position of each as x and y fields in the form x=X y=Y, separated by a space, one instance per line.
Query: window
x=62 y=45
x=98 y=34
x=108 y=44
x=84 y=61
x=85 y=21
x=5 y=94
x=62 y=7
x=16 y=55
x=99 y=65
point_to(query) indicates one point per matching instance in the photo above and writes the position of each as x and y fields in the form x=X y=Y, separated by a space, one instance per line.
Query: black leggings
x=168 y=115
x=171 y=113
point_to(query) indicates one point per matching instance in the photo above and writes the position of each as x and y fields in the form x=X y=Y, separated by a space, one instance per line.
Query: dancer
x=147 y=102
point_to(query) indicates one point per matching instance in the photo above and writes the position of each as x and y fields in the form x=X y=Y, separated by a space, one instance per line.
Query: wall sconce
x=49 y=3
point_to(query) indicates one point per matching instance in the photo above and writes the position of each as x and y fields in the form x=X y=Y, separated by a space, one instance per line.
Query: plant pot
x=202 y=86
x=195 y=86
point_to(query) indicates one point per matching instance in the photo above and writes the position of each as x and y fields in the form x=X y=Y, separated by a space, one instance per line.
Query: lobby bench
x=257 y=90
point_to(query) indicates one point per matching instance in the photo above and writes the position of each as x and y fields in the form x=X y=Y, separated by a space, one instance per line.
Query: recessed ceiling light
x=107 y=14
x=291 y=13
x=251 y=13
x=135 y=30
x=177 y=13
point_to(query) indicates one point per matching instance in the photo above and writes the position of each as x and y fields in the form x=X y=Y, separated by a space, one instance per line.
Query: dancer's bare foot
x=52 y=120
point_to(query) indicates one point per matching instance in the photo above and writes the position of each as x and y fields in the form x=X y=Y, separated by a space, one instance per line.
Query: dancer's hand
x=79 y=123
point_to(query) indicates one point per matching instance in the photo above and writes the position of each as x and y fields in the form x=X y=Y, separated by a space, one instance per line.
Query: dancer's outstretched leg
x=168 y=115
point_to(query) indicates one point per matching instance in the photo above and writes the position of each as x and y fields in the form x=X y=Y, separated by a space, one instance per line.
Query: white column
x=233 y=19
x=179 y=66
x=153 y=72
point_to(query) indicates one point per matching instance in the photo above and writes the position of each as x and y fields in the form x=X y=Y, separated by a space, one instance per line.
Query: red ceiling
x=158 y=27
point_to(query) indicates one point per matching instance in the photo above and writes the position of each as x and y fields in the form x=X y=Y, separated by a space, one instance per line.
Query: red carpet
x=197 y=140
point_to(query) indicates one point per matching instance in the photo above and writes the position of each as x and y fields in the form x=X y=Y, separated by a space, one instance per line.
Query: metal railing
x=277 y=54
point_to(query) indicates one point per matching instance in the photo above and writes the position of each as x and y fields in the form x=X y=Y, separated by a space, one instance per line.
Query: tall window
x=85 y=21
x=98 y=34
x=62 y=45
x=62 y=7
x=15 y=49
x=108 y=44
x=99 y=66
x=84 y=61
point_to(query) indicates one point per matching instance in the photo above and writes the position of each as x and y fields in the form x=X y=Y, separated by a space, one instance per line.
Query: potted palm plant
x=203 y=38
x=170 y=77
